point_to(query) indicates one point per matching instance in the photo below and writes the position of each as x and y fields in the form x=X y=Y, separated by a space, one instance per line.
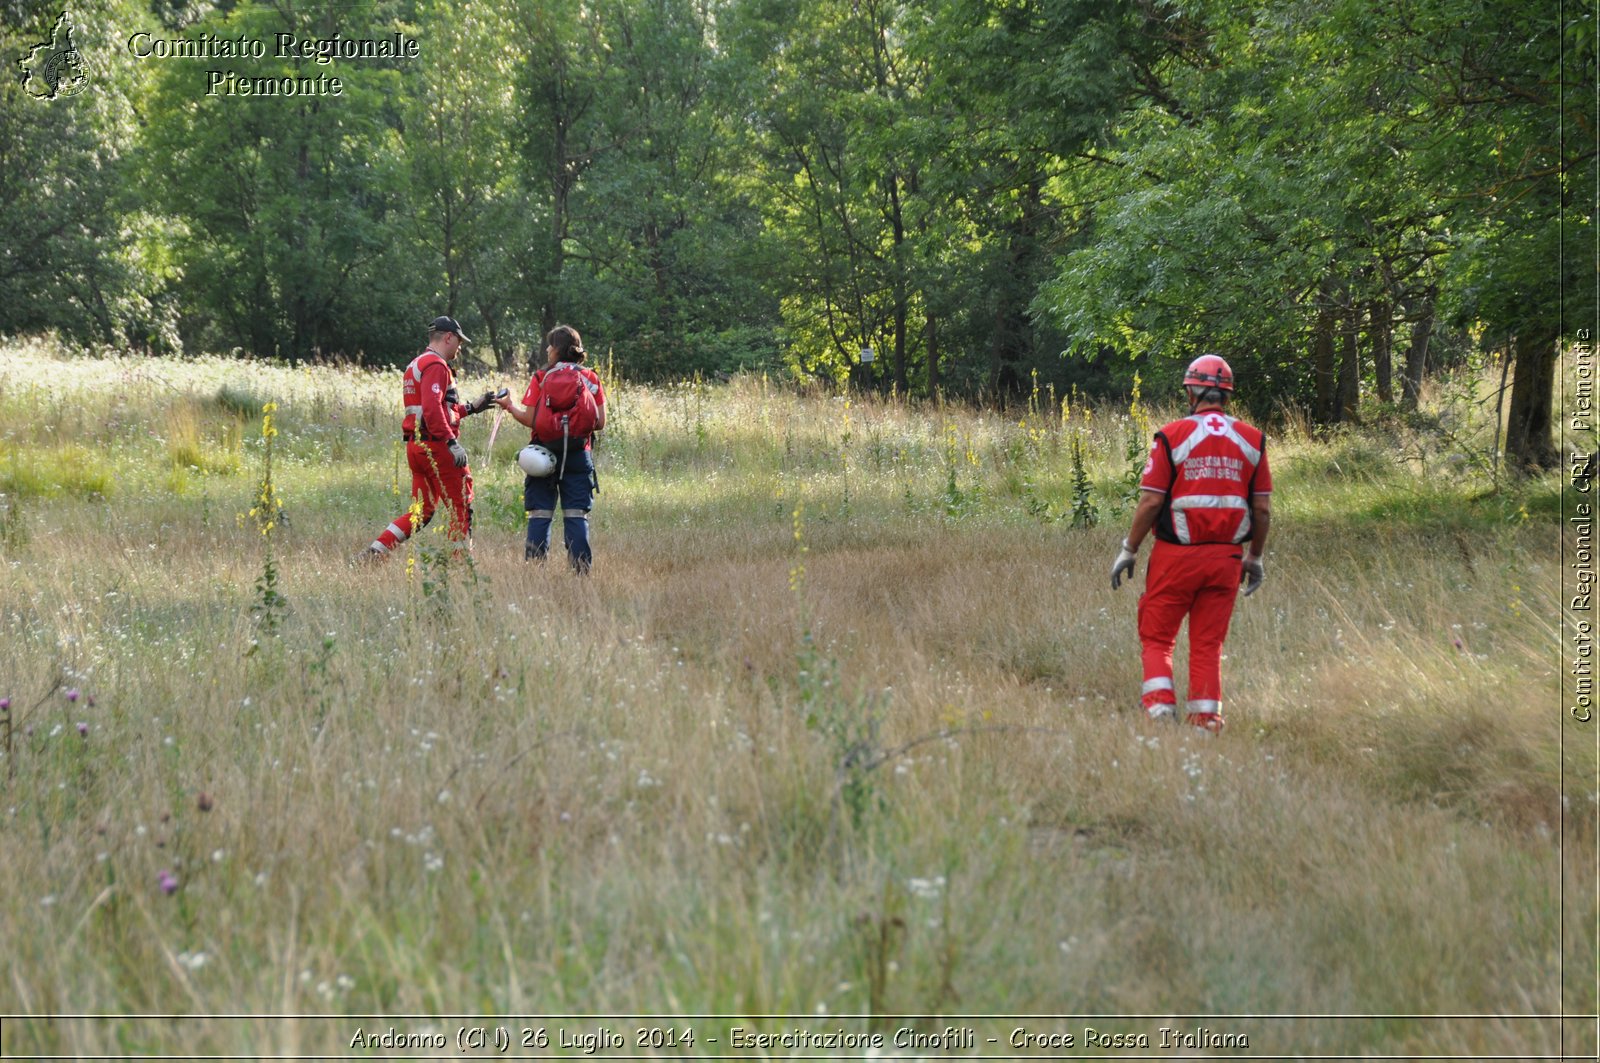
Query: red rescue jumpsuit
x=1208 y=465
x=431 y=422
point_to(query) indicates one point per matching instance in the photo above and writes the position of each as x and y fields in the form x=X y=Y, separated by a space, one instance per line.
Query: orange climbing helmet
x=1208 y=371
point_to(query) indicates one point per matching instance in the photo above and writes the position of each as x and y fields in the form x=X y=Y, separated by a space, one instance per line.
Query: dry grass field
x=842 y=725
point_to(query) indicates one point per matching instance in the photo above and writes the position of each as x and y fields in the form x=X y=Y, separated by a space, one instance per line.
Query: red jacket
x=429 y=391
x=1209 y=465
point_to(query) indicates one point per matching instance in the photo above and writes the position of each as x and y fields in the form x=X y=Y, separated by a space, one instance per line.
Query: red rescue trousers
x=1200 y=582
x=434 y=477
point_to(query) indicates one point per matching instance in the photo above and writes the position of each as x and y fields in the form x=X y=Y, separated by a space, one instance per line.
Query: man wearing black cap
x=433 y=450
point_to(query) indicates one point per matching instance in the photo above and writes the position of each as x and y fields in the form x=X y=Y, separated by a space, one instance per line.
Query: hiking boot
x=1210 y=722
x=1161 y=714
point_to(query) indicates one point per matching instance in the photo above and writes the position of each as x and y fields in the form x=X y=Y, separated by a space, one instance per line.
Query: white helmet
x=536 y=460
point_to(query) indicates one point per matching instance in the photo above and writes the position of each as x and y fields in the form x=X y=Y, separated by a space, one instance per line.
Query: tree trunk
x=1529 y=447
x=558 y=230
x=930 y=332
x=901 y=382
x=1417 y=354
x=561 y=179
x=1381 y=327
x=447 y=237
x=901 y=296
x=657 y=259
x=997 y=354
x=492 y=313
x=505 y=358
x=1350 y=365
x=1322 y=362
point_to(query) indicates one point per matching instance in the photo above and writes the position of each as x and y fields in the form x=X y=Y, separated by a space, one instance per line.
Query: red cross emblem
x=1215 y=424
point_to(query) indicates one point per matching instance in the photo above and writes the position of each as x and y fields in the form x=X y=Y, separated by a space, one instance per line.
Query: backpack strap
x=1164 y=529
x=1250 y=492
x=563 y=472
x=1257 y=469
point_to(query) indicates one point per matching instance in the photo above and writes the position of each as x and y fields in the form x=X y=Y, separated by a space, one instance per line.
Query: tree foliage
x=987 y=193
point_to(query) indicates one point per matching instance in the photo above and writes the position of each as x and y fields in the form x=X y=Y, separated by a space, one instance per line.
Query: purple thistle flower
x=5 y=704
x=83 y=729
x=72 y=693
x=168 y=882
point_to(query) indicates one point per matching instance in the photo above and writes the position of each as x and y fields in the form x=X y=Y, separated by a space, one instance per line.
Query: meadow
x=842 y=725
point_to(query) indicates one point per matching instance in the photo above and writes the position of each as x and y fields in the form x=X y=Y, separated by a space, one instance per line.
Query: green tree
x=463 y=195
x=566 y=75
x=77 y=255
x=1029 y=91
x=1314 y=176
x=1511 y=102
x=661 y=228
x=287 y=211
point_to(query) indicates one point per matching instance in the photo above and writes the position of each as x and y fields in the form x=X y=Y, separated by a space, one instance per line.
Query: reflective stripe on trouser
x=575 y=492
x=1200 y=582
x=1157 y=690
x=575 y=530
x=434 y=479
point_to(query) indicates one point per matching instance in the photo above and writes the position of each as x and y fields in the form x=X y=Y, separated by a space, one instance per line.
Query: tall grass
x=909 y=782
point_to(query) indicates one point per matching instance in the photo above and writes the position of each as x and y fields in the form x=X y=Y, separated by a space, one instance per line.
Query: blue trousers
x=575 y=491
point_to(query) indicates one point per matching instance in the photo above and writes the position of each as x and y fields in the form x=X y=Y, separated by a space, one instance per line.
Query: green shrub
x=64 y=470
x=241 y=400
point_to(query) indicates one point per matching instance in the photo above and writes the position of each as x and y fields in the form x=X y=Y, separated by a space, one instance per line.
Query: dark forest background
x=1338 y=196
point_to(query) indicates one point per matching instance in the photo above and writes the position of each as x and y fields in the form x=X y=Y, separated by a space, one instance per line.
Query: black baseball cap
x=448 y=324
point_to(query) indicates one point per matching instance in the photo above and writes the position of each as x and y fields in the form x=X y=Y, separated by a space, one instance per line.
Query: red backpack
x=565 y=407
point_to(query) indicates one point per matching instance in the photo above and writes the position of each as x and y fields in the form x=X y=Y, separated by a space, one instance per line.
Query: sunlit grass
x=50 y=471
x=535 y=793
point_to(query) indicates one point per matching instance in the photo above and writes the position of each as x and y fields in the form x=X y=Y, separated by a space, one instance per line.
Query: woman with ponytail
x=563 y=407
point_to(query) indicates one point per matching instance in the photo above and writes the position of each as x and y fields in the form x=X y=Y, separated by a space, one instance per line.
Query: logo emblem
x=1215 y=425
x=55 y=67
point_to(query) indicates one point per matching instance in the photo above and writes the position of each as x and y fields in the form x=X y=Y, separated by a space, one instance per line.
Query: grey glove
x=459 y=453
x=1251 y=573
x=1123 y=565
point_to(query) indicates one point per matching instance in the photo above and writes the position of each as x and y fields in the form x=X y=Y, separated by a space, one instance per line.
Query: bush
x=241 y=400
x=654 y=356
x=66 y=470
x=1342 y=455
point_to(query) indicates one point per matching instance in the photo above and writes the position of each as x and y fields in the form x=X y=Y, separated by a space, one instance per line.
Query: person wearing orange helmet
x=1206 y=493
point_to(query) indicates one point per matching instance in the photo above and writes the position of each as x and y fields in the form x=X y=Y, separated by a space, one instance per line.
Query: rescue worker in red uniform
x=574 y=484
x=431 y=429
x=1207 y=493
